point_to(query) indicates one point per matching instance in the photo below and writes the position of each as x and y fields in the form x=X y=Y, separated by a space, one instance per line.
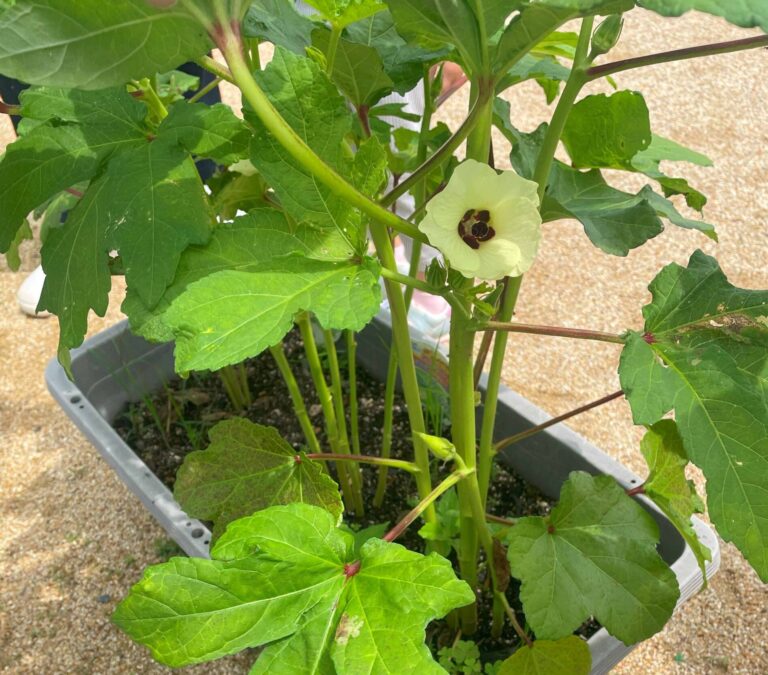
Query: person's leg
x=9 y=93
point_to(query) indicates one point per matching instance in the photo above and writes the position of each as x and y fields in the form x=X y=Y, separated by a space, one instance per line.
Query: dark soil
x=163 y=429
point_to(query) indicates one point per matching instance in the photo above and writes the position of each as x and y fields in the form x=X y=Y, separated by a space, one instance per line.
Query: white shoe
x=29 y=293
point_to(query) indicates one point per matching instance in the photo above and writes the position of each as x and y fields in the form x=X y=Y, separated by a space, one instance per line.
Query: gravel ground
x=73 y=538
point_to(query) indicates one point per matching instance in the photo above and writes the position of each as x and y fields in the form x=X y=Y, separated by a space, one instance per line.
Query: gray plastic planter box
x=115 y=367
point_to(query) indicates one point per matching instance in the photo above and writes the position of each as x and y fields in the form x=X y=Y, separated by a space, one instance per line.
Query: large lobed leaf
x=246 y=468
x=568 y=656
x=310 y=103
x=614 y=220
x=287 y=578
x=668 y=487
x=91 y=44
x=593 y=556
x=155 y=206
x=745 y=13
x=261 y=236
x=232 y=315
x=704 y=353
x=59 y=153
x=614 y=132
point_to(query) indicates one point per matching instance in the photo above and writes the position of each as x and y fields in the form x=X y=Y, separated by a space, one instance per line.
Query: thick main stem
x=231 y=47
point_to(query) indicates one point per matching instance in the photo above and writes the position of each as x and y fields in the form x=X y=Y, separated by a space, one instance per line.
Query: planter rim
x=194 y=537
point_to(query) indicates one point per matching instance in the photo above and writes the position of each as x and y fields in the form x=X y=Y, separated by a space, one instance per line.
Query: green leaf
x=287 y=578
x=403 y=62
x=436 y=24
x=665 y=208
x=662 y=149
x=594 y=555
x=615 y=221
x=156 y=207
x=76 y=262
x=542 y=69
x=263 y=236
x=341 y=13
x=304 y=95
x=569 y=656
x=668 y=487
x=207 y=131
x=12 y=254
x=536 y=22
x=704 y=353
x=114 y=109
x=357 y=70
x=231 y=315
x=246 y=468
x=90 y=44
x=745 y=13
x=52 y=157
x=278 y=22
x=607 y=131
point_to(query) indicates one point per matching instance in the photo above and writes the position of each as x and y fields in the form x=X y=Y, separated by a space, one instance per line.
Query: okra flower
x=487 y=224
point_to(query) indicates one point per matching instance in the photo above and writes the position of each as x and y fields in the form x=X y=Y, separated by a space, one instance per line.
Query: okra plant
x=297 y=228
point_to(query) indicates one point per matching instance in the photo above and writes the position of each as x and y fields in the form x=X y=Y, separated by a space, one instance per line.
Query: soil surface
x=165 y=428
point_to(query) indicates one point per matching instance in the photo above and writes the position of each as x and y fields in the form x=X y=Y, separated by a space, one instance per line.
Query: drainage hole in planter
x=75 y=400
x=197 y=533
x=189 y=524
x=207 y=541
x=633 y=481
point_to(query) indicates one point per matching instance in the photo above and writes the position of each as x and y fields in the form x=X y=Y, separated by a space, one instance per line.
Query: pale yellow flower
x=486 y=223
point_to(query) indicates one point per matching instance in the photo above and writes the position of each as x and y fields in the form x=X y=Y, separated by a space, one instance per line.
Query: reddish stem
x=555 y=331
x=510 y=440
x=638 y=490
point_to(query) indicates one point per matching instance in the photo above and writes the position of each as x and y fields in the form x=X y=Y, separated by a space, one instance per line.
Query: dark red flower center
x=475 y=227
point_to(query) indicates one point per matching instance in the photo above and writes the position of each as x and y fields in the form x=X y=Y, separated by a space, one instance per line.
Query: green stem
x=677 y=55
x=212 y=66
x=253 y=49
x=442 y=154
x=354 y=415
x=215 y=82
x=410 y=383
x=341 y=421
x=576 y=80
x=462 y=397
x=155 y=105
x=386 y=441
x=297 y=147
x=299 y=406
x=427 y=502
x=411 y=284
x=326 y=402
x=516 y=438
x=554 y=331
x=333 y=46
x=487 y=451
x=462 y=391
x=410 y=467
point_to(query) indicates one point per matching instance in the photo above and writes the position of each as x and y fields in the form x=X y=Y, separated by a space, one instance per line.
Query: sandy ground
x=73 y=538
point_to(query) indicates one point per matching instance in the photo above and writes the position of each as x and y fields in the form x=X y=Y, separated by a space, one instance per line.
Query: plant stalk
x=486 y=451
x=341 y=421
x=427 y=502
x=299 y=406
x=231 y=47
x=410 y=467
x=516 y=438
x=712 y=49
x=553 y=331
x=326 y=402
